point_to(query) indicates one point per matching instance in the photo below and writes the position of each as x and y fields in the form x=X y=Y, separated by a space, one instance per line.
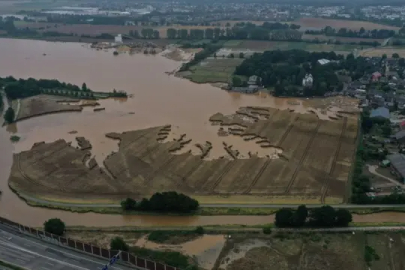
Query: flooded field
x=157 y=99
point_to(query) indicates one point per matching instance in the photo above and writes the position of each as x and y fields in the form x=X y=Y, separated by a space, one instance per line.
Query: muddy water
x=157 y=99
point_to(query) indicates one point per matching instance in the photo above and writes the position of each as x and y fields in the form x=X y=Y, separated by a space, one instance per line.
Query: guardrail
x=90 y=249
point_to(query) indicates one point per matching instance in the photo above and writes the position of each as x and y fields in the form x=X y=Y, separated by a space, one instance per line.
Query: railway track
x=332 y=169
x=257 y=177
x=304 y=156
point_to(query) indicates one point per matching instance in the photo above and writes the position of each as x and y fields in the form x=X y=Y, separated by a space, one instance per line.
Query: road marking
x=62 y=250
x=40 y=255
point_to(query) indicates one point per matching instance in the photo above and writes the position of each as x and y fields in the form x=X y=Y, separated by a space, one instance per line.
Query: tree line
x=325 y=216
x=285 y=71
x=362 y=33
x=208 y=50
x=267 y=31
x=165 y=202
x=23 y=88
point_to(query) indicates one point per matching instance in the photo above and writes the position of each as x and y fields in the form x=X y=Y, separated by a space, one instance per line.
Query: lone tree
x=118 y=243
x=395 y=55
x=84 y=87
x=55 y=226
x=9 y=115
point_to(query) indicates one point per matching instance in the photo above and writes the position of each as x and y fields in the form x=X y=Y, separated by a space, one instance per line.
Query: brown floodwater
x=156 y=99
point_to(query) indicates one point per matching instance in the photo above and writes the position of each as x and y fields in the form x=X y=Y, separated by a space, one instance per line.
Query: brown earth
x=310 y=158
x=381 y=51
x=291 y=252
x=42 y=104
x=354 y=25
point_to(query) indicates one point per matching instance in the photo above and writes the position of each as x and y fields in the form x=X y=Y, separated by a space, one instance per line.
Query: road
x=32 y=253
x=274 y=206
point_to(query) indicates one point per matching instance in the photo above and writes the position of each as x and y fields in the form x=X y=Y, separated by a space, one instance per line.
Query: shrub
x=199 y=230
x=55 y=226
x=118 y=243
x=267 y=230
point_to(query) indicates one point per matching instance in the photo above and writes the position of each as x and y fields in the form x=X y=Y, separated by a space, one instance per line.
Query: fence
x=88 y=248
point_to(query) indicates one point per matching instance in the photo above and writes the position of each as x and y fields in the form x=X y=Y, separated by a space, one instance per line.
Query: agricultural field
x=42 y=104
x=257 y=45
x=319 y=23
x=308 y=158
x=213 y=70
x=385 y=50
x=341 y=39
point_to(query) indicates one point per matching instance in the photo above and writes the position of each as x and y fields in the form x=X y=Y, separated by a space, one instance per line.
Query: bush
x=199 y=230
x=128 y=204
x=55 y=226
x=9 y=115
x=159 y=236
x=172 y=258
x=267 y=230
x=118 y=243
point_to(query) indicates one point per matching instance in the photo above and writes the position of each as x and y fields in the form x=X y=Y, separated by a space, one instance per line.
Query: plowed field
x=313 y=160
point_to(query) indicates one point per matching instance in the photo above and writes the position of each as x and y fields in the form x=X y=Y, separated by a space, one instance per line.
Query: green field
x=257 y=45
x=214 y=70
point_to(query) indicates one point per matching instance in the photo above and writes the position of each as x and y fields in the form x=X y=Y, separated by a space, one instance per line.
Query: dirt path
x=372 y=169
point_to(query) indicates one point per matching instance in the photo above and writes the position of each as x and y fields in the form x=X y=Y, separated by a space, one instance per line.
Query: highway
x=31 y=253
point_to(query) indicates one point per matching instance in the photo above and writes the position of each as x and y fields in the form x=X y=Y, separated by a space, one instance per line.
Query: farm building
x=323 y=61
x=398 y=165
x=380 y=112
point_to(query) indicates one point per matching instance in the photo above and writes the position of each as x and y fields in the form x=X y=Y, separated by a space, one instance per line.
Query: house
x=380 y=112
x=398 y=165
x=400 y=136
x=118 y=38
x=375 y=77
x=254 y=80
x=308 y=80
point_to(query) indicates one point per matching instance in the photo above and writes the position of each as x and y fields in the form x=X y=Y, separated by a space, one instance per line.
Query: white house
x=118 y=38
x=323 y=61
x=308 y=80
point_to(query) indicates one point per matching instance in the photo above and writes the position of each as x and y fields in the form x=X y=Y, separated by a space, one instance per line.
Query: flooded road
x=157 y=99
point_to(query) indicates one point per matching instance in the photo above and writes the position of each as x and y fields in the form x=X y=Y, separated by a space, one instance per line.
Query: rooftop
x=380 y=112
x=398 y=161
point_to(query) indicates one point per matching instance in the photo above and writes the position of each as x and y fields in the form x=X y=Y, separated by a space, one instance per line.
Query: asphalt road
x=31 y=253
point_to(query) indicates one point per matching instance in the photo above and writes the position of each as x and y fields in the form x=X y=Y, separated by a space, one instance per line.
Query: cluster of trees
x=9 y=115
x=285 y=71
x=198 y=57
x=325 y=216
x=55 y=226
x=267 y=31
x=360 y=182
x=362 y=33
x=164 y=202
x=22 y=88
